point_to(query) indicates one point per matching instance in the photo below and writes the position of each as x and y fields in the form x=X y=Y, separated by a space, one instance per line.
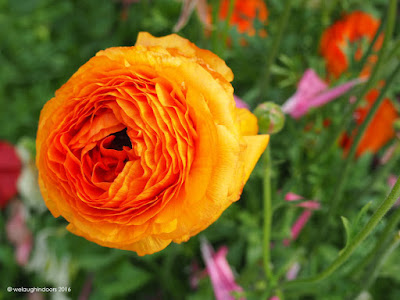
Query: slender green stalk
x=371 y=45
x=336 y=199
x=381 y=244
x=214 y=35
x=264 y=82
x=394 y=51
x=267 y=213
x=389 y=28
x=375 y=269
x=227 y=21
x=382 y=172
x=383 y=208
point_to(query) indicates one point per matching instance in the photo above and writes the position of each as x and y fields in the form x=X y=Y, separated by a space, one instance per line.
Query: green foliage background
x=43 y=42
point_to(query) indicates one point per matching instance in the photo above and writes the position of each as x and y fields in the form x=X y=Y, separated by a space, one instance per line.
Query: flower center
x=121 y=139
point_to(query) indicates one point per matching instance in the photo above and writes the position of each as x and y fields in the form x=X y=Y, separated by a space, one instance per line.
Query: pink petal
x=311 y=84
x=220 y=272
x=274 y=298
x=392 y=180
x=334 y=93
x=293 y=271
x=23 y=251
x=310 y=204
x=292 y=197
x=240 y=103
x=313 y=92
x=299 y=224
x=19 y=234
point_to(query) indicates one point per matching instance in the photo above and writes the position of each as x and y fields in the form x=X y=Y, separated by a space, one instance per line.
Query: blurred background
x=43 y=42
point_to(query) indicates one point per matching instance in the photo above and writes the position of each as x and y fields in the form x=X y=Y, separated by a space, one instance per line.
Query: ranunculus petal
x=143 y=145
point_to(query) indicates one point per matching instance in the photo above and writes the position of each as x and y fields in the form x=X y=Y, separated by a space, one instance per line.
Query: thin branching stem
x=383 y=208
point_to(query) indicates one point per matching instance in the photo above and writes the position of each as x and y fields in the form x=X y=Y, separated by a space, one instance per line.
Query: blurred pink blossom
x=392 y=180
x=19 y=234
x=302 y=220
x=220 y=273
x=196 y=274
x=240 y=103
x=310 y=204
x=292 y=197
x=293 y=271
x=300 y=223
x=274 y=298
x=312 y=91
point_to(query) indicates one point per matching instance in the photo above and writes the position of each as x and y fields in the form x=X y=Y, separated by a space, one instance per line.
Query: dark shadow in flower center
x=121 y=139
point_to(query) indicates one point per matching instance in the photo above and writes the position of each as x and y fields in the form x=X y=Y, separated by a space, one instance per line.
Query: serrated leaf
x=286 y=60
x=361 y=214
x=279 y=70
x=348 y=230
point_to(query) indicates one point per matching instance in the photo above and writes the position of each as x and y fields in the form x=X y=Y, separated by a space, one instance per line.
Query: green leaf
x=348 y=229
x=362 y=214
x=121 y=279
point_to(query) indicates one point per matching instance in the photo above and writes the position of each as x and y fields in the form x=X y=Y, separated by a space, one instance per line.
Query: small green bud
x=270 y=117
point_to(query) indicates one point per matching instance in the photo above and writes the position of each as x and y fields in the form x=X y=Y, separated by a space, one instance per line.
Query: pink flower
x=220 y=273
x=293 y=271
x=240 y=103
x=312 y=91
x=302 y=220
x=292 y=197
x=310 y=204
x=300 y=223
x=392 y=180
x=19 y=234
x=196 y=274
x=274 y=298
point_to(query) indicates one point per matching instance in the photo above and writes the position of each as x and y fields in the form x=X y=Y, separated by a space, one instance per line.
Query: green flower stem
x=216 y=8
x=226 y=25
x=371 y=276
x=337 y=197
x=380 y=246
x=367 y=53
x=390 y=23
x=264 y=82
x=395 y=51
x=382 y=172
x=383 y=208
x=267 y=213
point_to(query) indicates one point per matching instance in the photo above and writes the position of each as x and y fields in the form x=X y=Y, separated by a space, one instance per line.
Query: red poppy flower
x=244 y=13
x=379 y=131
x=349 y=32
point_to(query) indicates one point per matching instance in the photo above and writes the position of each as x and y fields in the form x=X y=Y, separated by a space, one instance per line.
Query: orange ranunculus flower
x=143 y=145
x=379 y=131
x=337 y=40
x=244 y=13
